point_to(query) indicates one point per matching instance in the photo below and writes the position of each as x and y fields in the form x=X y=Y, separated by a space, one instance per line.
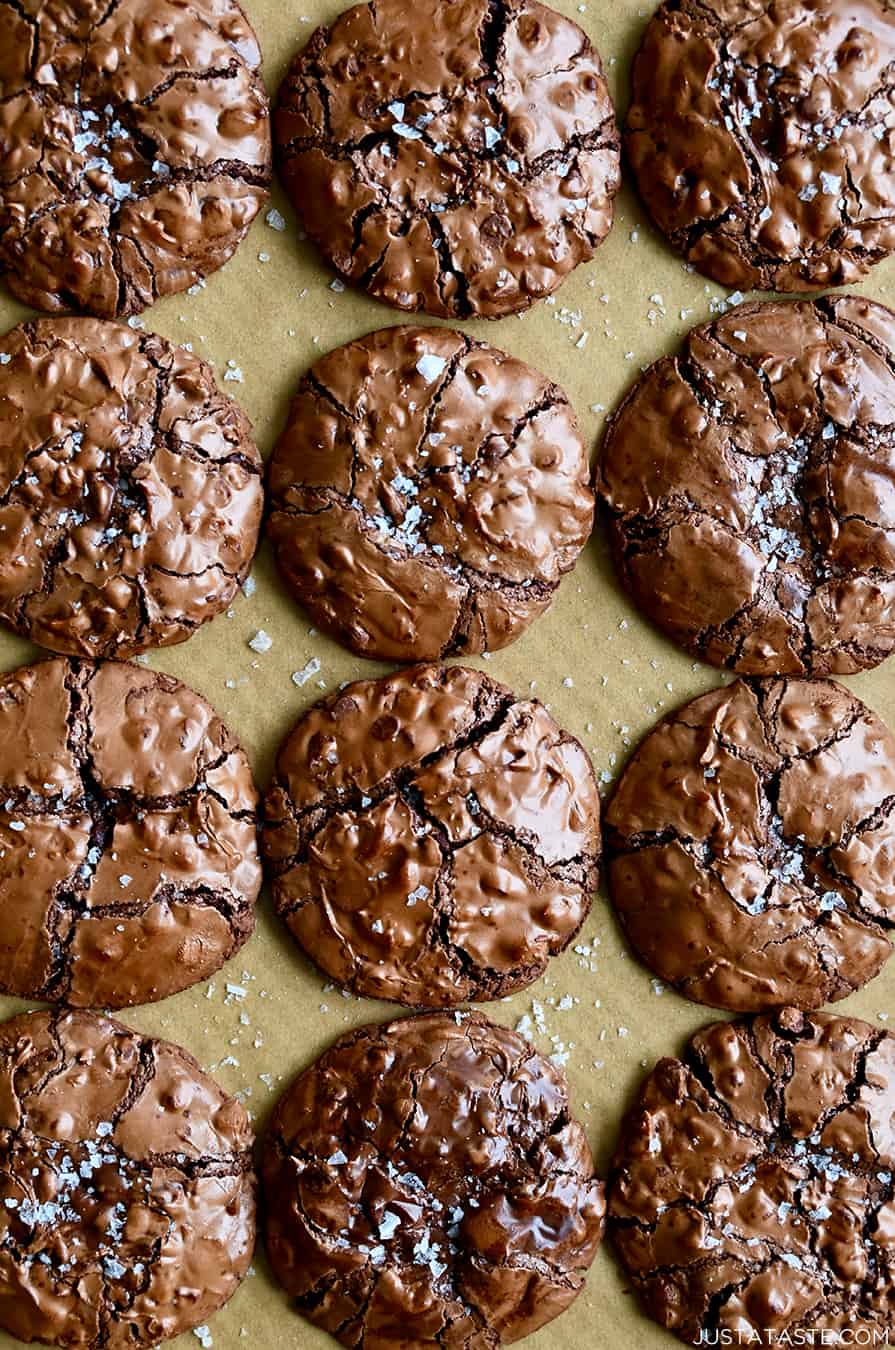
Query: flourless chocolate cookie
x=761 y=138
x=427 y=494
x=750 y=482
x=128 y=857
x=131 y=489
x=426 y=1174
x=134 y=148
x=432 y=838
x=127 y=1197
x=751 y=1192
x=752 y=842
x=455 y=158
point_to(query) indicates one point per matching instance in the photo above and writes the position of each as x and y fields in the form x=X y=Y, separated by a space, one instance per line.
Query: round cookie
x=752 y=845
x=426 y=1173
x=750 y=483
x=459 y=159
x=127 y=1197
x=761 y=138
x=134 y=148
x=128 y=857
x=427 y=494
x=431 y=838
x=131 y=489
x=751 y=1192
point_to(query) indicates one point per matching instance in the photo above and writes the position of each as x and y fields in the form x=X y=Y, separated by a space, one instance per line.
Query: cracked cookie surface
x=762 y=138
x=130 y=489
x=127 y=1196
x=427 y=1173
x=459 y=159
x=431 y=838
x=750 y=482
x=427 y=495
x=752 y=845
x=134 y=148
x=128 y=855
x=751 y=1191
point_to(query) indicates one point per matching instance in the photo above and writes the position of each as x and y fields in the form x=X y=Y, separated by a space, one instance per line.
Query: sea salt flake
x=431 y=366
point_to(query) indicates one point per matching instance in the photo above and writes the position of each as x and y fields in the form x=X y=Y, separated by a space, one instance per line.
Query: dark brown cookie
x=131 y=489
x=456 y=158
x=128 y=858
x=752 y=841
x=760 y=137
x=431 y=838
x=127 y=1197
x=134 y=148
x=427 y=495
x=751 y=1192
x=750 y=482
x=426 y=1173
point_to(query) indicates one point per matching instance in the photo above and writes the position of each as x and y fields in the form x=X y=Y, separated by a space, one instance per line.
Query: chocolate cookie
x=426 y=1173
x=750 y=482
x=458 y=158
x=761 y=138
x=127 y=1197
x=131 y=489
x=431 y=838
x=134 y=148
x=751 y=1192
x=128 y=859
x=752 y=842
x=427 y=495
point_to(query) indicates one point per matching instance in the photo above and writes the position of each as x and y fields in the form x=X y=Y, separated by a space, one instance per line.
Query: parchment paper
x=603 y=671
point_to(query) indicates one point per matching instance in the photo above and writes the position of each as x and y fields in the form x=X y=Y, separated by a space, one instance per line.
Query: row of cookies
x=459 y=159
x=433 y=838
x=428 y=1172
x=429 y=492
